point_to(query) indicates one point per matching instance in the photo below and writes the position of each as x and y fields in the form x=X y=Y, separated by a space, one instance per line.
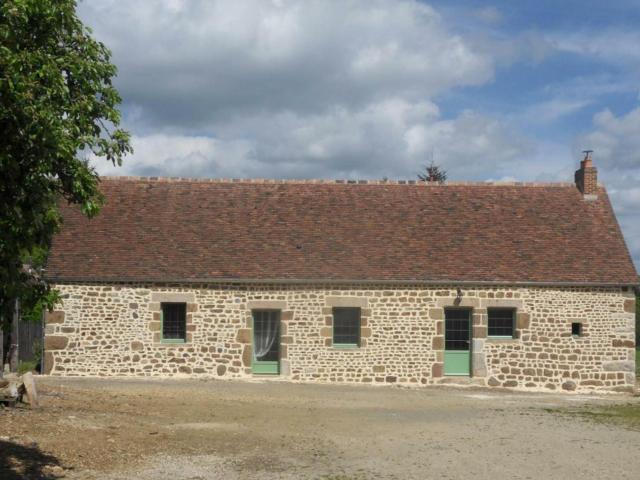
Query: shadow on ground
x=20 y=462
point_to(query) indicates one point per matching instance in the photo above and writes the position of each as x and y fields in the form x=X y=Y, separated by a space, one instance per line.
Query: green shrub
x=24 y=367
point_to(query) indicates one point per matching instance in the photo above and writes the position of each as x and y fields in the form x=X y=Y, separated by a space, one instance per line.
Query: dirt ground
x=112 y=429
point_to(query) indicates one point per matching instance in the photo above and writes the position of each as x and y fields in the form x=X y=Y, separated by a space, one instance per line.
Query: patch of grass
x=24 y=367
x=625 y=415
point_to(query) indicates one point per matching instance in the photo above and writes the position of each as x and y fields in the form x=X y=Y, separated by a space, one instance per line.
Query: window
x=346 y=326
x=457 y=329
x=174 y=322
x=576 y=329
x=501 y=322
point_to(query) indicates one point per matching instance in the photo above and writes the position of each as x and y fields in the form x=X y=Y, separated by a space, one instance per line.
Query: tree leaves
x=58 y=107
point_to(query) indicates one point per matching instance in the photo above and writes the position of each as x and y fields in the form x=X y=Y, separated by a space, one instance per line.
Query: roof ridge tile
x=325 y=181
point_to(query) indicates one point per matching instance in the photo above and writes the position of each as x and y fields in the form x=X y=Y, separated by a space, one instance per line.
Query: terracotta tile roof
x=155 y=229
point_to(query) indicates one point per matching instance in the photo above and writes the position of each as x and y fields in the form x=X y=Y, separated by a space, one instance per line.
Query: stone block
x=502 y=303
x=185 y=297
x=569 y=385
x=266 y=305
x=56 y=316
x=437 y=370
x=365 y=332
x=436 y=313
x=154 y=326
x=479 y=364
x=379 y=368
x=522 y=320
x=247 y=353
x=285 y=368
x=591 y=383
x=243 y=335
x=617 y=342
x=334 y=301
x=48 y=363
x=55 y=342
x=458 y=302
x=630 y=305
x=137 y=346
x=326 y=332
x=493 y=382
x=221 y=370
x=479 y=331
x=437 y=343
x=621 y=366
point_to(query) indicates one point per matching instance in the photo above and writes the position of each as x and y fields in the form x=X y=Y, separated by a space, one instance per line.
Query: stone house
x=516 y=285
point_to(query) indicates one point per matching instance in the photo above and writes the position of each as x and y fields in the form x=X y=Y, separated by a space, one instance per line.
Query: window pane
x=576 y=329
x=457 y=325
x=266 y=335
x=501 y=322
x=346 y=326
x=174 y=321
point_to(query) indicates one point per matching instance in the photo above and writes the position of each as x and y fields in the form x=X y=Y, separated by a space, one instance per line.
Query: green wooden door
x=457 y=342
x=266 y=342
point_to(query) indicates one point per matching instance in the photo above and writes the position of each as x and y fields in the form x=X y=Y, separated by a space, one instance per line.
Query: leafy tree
x=57 y=109
x=433 y=173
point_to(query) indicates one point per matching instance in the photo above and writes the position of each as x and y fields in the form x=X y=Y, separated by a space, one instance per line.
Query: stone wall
x=114 y=330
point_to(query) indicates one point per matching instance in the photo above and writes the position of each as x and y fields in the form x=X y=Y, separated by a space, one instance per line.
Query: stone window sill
x=346 y=346
x=503 y=339
x=173 y=342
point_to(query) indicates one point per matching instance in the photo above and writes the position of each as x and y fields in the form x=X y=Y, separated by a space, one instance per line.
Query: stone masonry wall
x=114 y=330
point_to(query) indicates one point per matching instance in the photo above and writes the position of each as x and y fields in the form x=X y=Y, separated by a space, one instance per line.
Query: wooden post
x=13 y=349
x=1 y=349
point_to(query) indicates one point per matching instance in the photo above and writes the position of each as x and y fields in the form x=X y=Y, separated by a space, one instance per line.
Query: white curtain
x=264 y=338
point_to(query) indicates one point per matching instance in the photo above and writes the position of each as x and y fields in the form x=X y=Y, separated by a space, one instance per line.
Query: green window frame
x=173 y=320
x=501 y=322
x=347 y=325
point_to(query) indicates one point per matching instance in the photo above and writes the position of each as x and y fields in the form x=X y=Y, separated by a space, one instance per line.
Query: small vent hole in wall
x=576 y=329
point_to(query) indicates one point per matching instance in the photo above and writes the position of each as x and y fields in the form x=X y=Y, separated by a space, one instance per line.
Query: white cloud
x=616 y=144
x=616 y=140
x=392 y=138
x=312 y=88
x=613 y=46
x=186 y=64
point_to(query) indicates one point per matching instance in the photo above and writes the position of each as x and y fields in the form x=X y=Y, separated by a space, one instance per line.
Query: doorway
x=457 y=341
x=266 y=342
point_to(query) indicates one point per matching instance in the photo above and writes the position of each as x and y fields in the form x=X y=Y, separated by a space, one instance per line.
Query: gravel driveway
x=194 y=429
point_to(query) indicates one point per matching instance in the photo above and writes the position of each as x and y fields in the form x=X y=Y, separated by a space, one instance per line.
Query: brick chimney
x=587 y=177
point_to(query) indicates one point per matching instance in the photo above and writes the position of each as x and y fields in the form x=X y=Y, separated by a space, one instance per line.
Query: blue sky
x=497 y=90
